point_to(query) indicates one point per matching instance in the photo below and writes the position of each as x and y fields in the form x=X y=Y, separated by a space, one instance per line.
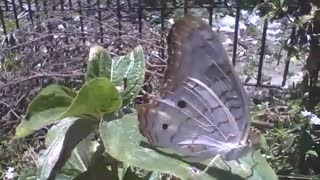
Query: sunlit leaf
x=99 y=63
x=59 y=151
x=52 y=96
x=134 y=153
x=96 y=97
x=97 y=168
x=38 y=121
x=45 y=108
x=312 y=153
x=128 y=74
x=81 y=154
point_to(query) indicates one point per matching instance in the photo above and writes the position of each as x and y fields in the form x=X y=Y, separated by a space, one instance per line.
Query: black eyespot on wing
x=164 y=126
x=182 y=104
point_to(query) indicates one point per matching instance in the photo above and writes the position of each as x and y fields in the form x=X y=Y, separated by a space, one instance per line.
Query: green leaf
x=99 y=64
x=97 y=168
x=54 y=103
x=96 y=97
x=52 y=96
x=63 y=175
x=38 y=121
x=153 y=176
x=128 y=74
x=81 y=154
x=59 y=151
x=312 y=153
x=128 y=174
x=134 y=153
x=44 y=109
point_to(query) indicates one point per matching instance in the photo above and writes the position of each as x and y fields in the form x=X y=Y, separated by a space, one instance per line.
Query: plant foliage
x=120 y=152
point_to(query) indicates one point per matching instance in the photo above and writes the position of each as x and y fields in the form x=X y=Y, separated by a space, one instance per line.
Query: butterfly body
x=203 y=110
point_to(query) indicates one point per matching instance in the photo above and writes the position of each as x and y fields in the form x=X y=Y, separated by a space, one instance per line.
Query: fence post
x=81 y=22
x=263 y=46
x=30 y=11
x=119 y=17
x=292 y=43
x=15 y=14
x=3 y=26
x=100 y=21
x=140 y=18
x=236 y=32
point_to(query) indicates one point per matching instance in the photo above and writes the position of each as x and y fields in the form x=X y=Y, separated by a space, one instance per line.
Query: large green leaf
x=96 y=97
x=52 y=96
x=133 y=152
x=61 y=147
x=97 y=168
x=38 y=121
x=81 y=155
x=99 y=63
x=45 y=108
x=128 y=74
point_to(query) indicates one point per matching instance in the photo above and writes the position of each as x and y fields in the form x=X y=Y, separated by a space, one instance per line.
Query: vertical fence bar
x=210 y=9
x=185 y=9
x=263 y=45
x=140 y=18
x=21 y=5
x=36 y=3
x=37 y=9
x=292 y=43
x=62 y=5
x=30 y=11
x=108 y=3
x=100 y=21
x=14 y=7
x=44 y=2
x=81 y=22
x=54 y=7
x=235 y=38
x=45 y=7
x=88 y=7
x=70 y=5
x=129 y=4
x=6 y=5
x=119 y=16
x=4 y=28
x=163 y=6
x=66 y=39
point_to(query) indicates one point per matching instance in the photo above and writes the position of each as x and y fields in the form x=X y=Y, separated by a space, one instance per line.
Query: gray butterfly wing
x=202 y=126
x=203 y=109
x=196 y=51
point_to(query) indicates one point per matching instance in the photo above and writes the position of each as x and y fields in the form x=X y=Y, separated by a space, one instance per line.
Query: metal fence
x=116 y=15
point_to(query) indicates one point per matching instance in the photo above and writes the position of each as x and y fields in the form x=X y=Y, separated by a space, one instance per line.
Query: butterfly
x=202 y=110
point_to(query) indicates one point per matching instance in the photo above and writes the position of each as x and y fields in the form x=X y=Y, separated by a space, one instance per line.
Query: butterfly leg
x=209 y=165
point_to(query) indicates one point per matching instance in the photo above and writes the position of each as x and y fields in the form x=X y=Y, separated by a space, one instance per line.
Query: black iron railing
x=134 y=10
